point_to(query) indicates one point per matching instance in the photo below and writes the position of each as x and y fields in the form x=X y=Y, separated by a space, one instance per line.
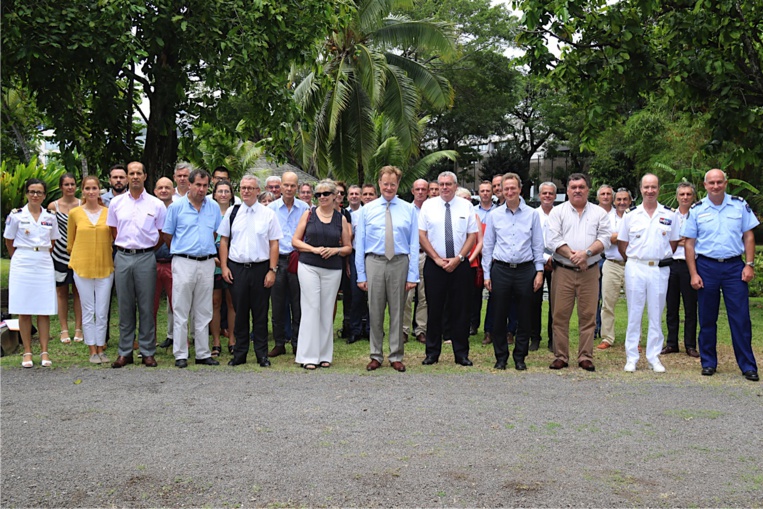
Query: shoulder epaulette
x=738 y=198
x=697 y=204
x=15 y=211
x=631 y=209
x=669 y=208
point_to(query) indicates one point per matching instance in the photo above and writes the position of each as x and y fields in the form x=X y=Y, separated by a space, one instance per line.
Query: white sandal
x=65 y=339
x=29 y=363
x=43 y=362
x=78 y=338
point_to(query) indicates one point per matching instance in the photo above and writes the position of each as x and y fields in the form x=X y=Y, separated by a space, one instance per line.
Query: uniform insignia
x=664 y=233
x=633 y=207
x=669 y=208
x=738 y=198
x=747 y=207
x=46 y=223
x=666 y=221
x=697 y=204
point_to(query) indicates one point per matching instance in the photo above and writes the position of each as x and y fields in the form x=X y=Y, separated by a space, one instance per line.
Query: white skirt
x=32 y=283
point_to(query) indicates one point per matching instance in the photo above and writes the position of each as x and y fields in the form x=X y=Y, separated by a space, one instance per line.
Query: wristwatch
x=274 y=269
x=750 y=264
x=588 y=253
x=460 y=257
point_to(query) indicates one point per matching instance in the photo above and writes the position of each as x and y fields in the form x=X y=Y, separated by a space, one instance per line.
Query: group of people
x=224 y=258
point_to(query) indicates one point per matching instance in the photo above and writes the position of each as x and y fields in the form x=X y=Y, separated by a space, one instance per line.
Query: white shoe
x=95 y=359
x=657 y=367
x=630 y=366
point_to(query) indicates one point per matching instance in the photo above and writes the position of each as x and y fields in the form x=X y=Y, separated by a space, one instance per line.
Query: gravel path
x=169 y=438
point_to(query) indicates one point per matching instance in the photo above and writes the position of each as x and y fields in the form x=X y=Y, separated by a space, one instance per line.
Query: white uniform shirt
x=612 y=253
x=649 y=238
x=462 y=219
x=680 y=253
x=253 y=229
x=26 y=232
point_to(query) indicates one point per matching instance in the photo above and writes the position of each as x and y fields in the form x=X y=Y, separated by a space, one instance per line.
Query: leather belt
x=195 y=258
x=651 y=263
x=722 y=260
x=247 y=265
x=134 y=251
x=513 y=265
x=283 y=256
x=619 y=262
x=164 y=260
x=574 y=267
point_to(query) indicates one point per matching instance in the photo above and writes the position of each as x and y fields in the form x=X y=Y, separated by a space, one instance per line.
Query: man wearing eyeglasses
x=249 y=262
x=447 y=232
x=613 y=271
x=273 y=184
x=285 y=292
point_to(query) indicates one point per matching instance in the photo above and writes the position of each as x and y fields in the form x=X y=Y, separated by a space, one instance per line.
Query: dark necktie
x=449 y=251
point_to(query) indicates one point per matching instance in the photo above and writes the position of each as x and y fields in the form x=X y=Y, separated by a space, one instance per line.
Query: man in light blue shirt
x=719 y=231
x=512 y=261
x=386 y=260
x=189 y=230
x=285 y=291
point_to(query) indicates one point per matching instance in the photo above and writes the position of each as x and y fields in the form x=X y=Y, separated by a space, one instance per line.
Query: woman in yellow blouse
x=89 y=244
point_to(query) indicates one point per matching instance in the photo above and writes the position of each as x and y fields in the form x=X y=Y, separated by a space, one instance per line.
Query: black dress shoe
x=264 y=362
x=587 y=365
x=521 y=366
x=464 y=361
x=669 y=349
x=430 y=359
x=472 y=330
x=209 y=361
x=500 y=365
x=181 y=363
x=534 y=345
x=236 y=362
x=692 y=352
x=353 y=339
x=708 y=371
x=752 y=376
x=166 y=343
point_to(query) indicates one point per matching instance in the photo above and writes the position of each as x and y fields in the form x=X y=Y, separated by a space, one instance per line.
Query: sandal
x=231 y=346
x=78 y=338
x=65 y=339
x=29 y=363
x=325 y=364
x=310 y=367
x=216 y=351
x=45 y=363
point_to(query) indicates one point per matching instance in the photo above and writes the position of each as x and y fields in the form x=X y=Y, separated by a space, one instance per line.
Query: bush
x=12 y=182
x=756 y=285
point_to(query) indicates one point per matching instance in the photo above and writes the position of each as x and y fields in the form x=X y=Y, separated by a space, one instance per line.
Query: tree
x=83 y=59
x=700 y=55
x=368 y=68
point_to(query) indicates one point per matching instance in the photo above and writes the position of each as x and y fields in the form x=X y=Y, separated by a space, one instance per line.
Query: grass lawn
x=353 y=358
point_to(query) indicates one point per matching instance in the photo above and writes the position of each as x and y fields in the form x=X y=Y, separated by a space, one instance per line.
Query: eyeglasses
x=324 y=193
x=249 y=189
x=340 y=193
x=36 y=193
x=222 y=191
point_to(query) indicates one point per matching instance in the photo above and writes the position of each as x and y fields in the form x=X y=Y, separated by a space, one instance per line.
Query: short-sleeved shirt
x=719 y=228
x=577 y=231
x=612 y=253
x=432 y=221
x=288 y=219
x=193 y=231
x=138 y=221
x=649 y=238
x=680 y=253
x=26 y=232
x=253 y=229
x=371 y=229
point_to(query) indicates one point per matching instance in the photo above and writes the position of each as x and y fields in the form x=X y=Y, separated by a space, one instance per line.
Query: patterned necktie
x=389 y=242
x=449 y=251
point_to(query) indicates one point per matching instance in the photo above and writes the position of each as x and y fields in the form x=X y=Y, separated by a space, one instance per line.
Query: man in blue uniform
x=718 y=230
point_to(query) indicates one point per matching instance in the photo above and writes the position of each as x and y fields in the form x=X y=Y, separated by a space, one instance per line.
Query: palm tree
x=369 y=69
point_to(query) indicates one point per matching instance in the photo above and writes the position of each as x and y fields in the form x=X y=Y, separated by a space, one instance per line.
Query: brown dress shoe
x=277 y=350
x=558 y=364
x=374 y=364
x=122 y=361
x=510 y=338
x=149 y=361
x=398 y=366
x=487 y=340
x=692 y=352
x=669 y=349
x=603 y=345
x=421 y=338
x=587 y=365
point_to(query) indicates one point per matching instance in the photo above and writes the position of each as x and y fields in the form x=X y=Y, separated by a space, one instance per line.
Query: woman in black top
x=322 y=239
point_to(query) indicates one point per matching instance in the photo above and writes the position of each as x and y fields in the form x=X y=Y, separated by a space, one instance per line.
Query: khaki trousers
x=567 y=287
x=612 y=279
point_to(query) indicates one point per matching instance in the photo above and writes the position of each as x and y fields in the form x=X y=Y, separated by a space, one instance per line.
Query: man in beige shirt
x=578 y=232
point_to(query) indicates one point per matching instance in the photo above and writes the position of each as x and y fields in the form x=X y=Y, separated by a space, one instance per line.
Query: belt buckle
x=247 y=265
x=513 y=265
x=36 y=248
x=720 y=260
x=651 y=263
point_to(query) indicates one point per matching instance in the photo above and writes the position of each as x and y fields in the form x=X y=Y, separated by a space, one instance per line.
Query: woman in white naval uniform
x=30 y=234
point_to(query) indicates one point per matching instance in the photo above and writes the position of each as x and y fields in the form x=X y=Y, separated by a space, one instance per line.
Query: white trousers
x=318 y=288
x=645 y=285
x=192 y=286
x=95 y=296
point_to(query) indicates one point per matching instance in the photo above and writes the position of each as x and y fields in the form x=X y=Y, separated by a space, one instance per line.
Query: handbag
x=293 y=261
x=479 y=277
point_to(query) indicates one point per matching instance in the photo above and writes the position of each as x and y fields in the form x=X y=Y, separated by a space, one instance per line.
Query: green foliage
x=506 y=159
x=695 y=176
x=367 y=70
x=20 y=124
x=12 y=181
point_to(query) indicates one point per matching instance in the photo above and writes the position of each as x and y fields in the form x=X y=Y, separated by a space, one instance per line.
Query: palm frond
x=369 y=71
x=436 y=90
x=308 y=94
x=341 y=90
x=419 y=36
x=389 y=152
x=400 y=104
